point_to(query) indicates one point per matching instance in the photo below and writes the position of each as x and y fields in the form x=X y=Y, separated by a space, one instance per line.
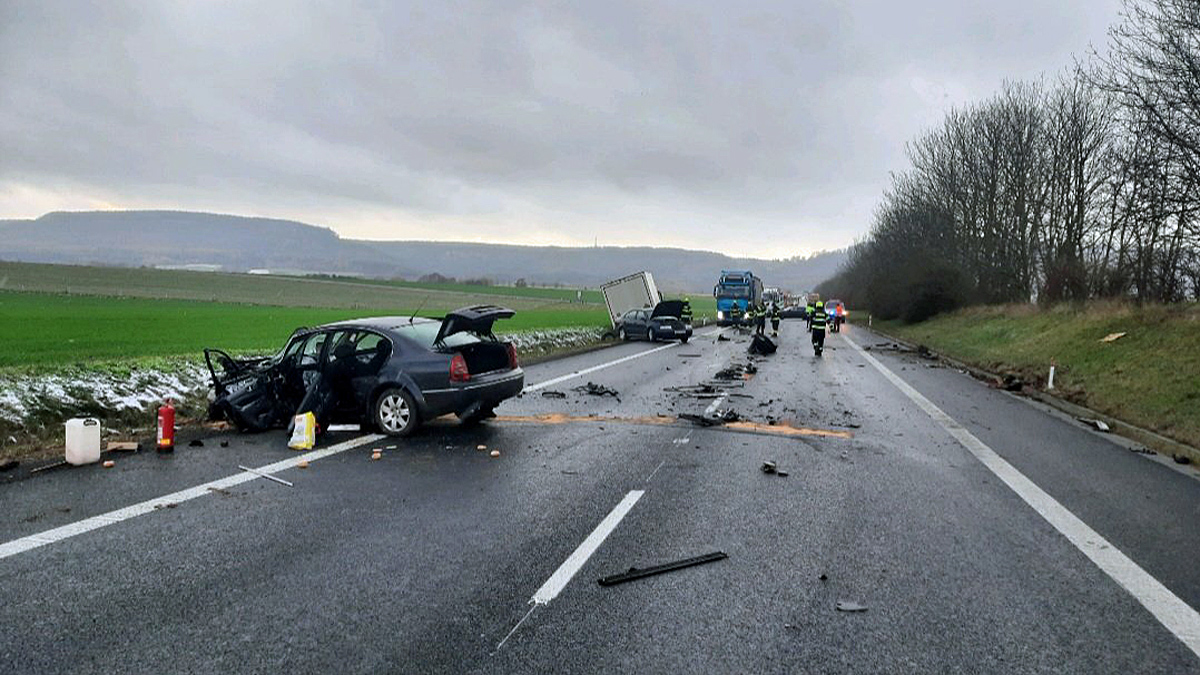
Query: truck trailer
x=636 y=291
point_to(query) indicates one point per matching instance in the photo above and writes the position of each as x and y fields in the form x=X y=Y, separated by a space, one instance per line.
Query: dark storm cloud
x=681 y=123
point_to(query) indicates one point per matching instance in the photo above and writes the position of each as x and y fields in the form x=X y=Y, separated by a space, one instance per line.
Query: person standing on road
x=774 y=319
x=685 y=312
x=760 y=320
x=818 y=327
x=735 y=313
x=808 y=315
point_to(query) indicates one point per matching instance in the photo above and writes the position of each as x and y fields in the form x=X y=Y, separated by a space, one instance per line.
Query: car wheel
x=395 y=413
x=683 y=339
x=623 y=335
x=650 y=334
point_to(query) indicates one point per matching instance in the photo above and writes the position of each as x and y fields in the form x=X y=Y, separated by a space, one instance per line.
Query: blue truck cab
x=736 y=287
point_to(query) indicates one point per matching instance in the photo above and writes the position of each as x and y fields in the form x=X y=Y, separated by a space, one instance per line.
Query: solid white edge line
x=1173 y=613
x=608 y=364
x=562 y=576
x=69 y=530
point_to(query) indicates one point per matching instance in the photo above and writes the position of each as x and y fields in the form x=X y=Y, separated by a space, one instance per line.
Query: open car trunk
x=484 y=357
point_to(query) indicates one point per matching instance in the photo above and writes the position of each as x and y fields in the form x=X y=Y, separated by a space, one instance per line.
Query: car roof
x=380 y=322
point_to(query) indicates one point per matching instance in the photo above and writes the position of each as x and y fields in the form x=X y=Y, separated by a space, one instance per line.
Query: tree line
x=1087 y=186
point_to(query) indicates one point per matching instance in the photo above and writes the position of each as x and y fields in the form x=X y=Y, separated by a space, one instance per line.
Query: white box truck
x=635 y=291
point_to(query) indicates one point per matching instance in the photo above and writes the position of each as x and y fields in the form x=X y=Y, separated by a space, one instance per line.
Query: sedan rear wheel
x=395 y=412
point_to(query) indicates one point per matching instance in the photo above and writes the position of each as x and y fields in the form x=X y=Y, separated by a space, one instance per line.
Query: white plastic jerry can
x=83 y=440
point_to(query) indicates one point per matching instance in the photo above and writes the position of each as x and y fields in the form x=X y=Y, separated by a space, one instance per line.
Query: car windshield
x=425 y=333
x=734 y=291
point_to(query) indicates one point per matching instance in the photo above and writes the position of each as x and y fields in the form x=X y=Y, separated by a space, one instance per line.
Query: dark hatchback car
x=389 y=372
x=660 y=323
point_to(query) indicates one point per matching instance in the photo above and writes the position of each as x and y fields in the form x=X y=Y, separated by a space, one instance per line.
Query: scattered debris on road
x=221 y=491
x=722 y=338
x=302 y=464
x=1181 y=459
x=9 y=465
x=123 y=446
x=168 y=505
x=763 y=345
x=108 y=464
x=850 y=606
x=552 y=393
x=636 y=573
x=1095 y=424
x=376 y=454
x=926 y=353
x=196 y=443
x=263 y=474
x=52 y=465
x=224 y=444
x=1012 y=382
x=769 y=467
x=593 y=389
x=1113 y=337
x=344 y=427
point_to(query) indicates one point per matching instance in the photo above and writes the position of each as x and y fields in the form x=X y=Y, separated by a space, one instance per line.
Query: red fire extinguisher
x=166 y=427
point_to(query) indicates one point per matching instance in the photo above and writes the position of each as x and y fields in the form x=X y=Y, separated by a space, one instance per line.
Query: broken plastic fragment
x=850 y=606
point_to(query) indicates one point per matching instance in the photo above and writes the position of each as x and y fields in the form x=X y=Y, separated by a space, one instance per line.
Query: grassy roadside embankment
x=1149 y=378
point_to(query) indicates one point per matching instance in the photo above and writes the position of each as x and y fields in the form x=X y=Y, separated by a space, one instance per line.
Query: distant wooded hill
x=234 y=243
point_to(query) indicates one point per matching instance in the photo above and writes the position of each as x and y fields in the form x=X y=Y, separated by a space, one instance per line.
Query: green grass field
x=1149 y=377
x=39 y=329
x=53 y=315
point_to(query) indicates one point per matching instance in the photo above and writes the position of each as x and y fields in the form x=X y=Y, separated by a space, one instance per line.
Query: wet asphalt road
x=426 y=560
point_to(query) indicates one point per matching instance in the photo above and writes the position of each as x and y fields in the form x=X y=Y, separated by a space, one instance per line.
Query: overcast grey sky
x=756 y=128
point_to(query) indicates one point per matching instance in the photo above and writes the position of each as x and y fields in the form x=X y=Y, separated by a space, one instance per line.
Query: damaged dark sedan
x=392 y=373
x=660 y=323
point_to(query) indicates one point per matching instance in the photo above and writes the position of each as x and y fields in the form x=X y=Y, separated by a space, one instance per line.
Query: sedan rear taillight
x=512 y=356
x=458 y=369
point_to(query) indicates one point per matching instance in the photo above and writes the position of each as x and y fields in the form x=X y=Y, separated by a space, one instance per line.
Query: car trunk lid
x=476 y=319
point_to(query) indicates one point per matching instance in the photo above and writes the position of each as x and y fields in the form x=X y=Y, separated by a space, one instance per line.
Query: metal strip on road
x=609 y=364
x=1173 y=613
x=57 y=534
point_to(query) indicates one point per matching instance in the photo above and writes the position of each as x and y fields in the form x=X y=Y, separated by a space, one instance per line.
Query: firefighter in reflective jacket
x=735 y=314
x=751 y=315
x=774 y=319
x=685 y=312
x=760 y=319
x=818 y=327
x=808 y=315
